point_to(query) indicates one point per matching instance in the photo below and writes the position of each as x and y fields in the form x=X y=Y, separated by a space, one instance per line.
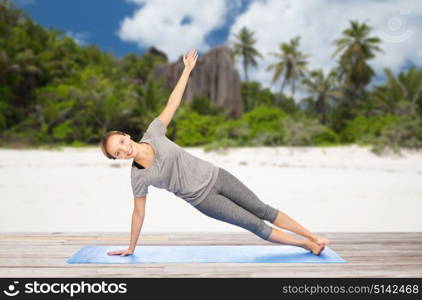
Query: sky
x=175 y=26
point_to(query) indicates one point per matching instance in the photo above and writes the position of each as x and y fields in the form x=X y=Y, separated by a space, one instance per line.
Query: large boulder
x=214 y=76
x=156 y=52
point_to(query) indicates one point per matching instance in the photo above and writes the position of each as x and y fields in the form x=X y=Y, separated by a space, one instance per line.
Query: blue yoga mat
x=203 y=254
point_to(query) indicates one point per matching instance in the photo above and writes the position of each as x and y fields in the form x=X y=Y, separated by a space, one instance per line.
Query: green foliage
x=264 y=97
x=22 y=134
x=203 y=106
x=3 y=110
x=326 y=137
x=405 y=133
x=264 y=125
x=302 y=131
x=363 y=128
x=138 y=68
x=81 y=108
x=194 y=129
x=62 y=130
x=255 y=95
x=287 y=104
x=407 y=88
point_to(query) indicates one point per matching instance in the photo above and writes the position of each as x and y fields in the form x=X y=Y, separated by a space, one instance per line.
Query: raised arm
x=176 y=96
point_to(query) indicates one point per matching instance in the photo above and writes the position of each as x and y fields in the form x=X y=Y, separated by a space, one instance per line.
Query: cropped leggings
x=233 y=202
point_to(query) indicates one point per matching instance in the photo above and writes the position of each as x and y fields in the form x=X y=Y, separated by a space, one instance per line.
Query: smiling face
x=121 y=146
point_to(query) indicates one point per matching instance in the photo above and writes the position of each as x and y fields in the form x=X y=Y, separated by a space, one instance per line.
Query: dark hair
x=104 y=141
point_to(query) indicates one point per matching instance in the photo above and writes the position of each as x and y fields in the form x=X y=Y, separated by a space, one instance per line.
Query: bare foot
x=322 y=241
x=314 y=247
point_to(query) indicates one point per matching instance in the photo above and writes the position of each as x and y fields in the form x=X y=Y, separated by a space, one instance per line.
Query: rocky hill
x=214 y=76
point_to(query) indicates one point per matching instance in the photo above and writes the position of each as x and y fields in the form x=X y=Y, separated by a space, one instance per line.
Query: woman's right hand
x=121 y=252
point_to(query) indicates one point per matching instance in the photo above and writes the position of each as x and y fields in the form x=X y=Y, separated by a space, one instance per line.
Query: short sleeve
x=139 y=187
x=157 y=128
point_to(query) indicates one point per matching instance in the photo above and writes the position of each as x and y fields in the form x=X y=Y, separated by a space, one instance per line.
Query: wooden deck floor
x=367 y=254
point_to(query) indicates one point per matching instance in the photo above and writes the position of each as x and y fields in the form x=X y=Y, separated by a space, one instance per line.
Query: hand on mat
x=190 y=59
x=121 y=252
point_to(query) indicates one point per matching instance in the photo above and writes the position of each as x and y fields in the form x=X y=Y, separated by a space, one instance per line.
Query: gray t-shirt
x=173 y=169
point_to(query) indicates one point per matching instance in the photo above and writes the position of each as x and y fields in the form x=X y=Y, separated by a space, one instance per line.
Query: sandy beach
x=328 y=189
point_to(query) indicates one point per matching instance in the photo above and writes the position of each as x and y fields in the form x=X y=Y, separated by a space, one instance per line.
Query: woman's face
x=121 y=146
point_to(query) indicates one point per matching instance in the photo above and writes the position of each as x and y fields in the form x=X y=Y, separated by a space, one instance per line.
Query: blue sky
x=175 y=26
x=93 y=22
x=89 y=22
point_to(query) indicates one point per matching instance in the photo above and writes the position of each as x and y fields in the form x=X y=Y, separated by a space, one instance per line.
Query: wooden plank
x=214 y=235
x=369 y=254
x=217 y=271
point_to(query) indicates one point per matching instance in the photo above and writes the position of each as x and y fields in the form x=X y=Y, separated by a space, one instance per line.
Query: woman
x=212 y=190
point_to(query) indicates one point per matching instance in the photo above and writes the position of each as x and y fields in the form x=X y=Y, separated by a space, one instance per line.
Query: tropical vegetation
x=55 y=92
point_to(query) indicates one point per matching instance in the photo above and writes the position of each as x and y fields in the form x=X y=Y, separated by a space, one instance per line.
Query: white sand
x=324 y=189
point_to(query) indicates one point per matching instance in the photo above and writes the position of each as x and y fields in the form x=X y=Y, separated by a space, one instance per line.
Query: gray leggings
x=233 y=202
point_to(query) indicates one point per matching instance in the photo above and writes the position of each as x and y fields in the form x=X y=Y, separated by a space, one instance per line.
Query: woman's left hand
x=190 y=59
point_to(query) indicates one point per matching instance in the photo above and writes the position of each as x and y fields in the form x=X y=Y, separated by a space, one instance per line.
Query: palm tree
x=244 y=47
x=291 y=64
x=356 y=48
x=407 y=87
x=322 y=89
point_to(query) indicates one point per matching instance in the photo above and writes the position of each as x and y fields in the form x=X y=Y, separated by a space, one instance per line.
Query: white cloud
x=320 y=22
x=159 y=23
x=79 y=37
